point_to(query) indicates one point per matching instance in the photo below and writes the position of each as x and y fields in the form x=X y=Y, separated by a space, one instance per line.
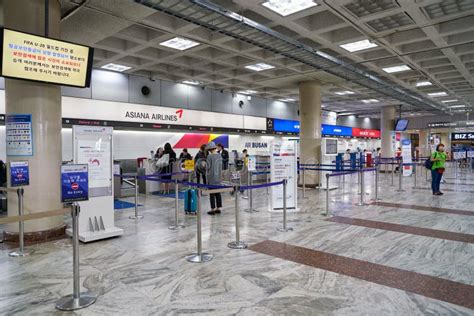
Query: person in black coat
x=168 y=150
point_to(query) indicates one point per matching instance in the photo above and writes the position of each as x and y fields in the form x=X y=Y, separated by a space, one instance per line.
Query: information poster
x=93 y=146
x=19 y=173
x=283 y=165
x=406 y=157
x=252 y=163
x=19 y=135
x=32 y=57
x=74 y=183
x=459 y=155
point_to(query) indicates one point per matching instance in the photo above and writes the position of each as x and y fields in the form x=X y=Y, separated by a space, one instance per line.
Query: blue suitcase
x=190 y=201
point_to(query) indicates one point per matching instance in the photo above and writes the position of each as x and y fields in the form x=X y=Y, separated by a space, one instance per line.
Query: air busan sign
x=163 y=118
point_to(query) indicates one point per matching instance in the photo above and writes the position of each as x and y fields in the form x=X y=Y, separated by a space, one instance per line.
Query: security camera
x=241 y=103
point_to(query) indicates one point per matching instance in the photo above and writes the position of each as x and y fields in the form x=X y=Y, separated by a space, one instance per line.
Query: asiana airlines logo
x=155 y=116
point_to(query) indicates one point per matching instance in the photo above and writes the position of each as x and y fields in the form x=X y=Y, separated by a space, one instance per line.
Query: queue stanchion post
x=327 y=194
x=176 y=225
x=136 y=216
x=392 y=172
x=304 y=183
x=377 y=166
x=426 y=175
x=414 y=179
x=250 y=194
x=199 y=256
x=237 y=244
x=400 y=175
x=284 y=228
x=77 y=300
x=362 y=193
x=21 y=252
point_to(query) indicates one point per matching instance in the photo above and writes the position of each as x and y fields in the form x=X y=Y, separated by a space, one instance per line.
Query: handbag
x=440 y=170
x=163 y=162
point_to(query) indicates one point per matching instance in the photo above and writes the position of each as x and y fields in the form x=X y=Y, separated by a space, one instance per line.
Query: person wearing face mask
x=438 y=158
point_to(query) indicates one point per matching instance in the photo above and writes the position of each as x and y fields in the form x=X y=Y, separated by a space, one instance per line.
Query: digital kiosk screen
x=37 y=58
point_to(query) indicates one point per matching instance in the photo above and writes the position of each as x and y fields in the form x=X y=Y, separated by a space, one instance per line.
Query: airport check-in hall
x=236 y=157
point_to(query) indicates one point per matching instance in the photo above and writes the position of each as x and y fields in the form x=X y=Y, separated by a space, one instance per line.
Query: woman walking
x=438 y=158
x=214 y=173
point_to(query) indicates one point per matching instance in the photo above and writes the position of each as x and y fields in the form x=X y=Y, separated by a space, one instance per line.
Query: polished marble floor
x=144 y=272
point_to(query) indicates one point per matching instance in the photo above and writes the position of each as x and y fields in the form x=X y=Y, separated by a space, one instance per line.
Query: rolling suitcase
x=190 y=201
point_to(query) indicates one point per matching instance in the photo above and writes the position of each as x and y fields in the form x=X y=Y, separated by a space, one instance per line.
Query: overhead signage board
x=19 y=173
x=336 y=130
x=19 y=135
x=31 y=57
x=289 y=126
x=462 y=136
x=368 y=133
x=74 y=183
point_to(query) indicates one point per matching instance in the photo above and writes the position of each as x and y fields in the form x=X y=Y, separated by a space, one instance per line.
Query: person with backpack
x=200 y=164
x=214 y=173
x=438 y=159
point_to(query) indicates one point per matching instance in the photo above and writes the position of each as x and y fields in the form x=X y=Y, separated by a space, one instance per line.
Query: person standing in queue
x=200 y=164
x=438 y=158
x=225 y=160
x=168 y=150
x=185 y=155
x=214 y=173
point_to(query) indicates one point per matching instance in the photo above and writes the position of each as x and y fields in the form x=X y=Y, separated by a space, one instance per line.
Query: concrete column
x=423 y=143
x=310 y=128
x=43 y=101
x=387 y=124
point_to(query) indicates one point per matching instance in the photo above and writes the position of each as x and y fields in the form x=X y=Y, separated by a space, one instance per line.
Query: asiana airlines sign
x=160 y=117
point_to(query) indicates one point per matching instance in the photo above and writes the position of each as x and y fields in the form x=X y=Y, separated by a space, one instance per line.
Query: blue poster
x=19 y=173
x=19 y=135
x=74 y=183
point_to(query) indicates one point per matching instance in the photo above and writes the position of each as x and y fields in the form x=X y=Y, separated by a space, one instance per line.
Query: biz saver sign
x=127 y=112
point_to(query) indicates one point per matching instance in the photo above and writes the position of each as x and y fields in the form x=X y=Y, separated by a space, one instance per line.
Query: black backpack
x=429 y=163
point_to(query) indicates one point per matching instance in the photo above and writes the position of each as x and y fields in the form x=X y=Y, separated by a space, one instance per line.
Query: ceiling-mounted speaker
x=241 y=104
x=145 y=90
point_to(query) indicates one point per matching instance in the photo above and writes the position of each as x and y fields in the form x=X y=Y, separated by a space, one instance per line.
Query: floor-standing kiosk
x=283 y=165
x=328 y=158
x=93 y=146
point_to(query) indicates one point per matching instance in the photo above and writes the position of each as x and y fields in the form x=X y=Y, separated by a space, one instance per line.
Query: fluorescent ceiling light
x=259 y=67
x=370 y=101
x=359 y=45
x=457 y=106
x=396 y=68
x=437 y=94
x=179 y=43
x=447 y=101
x=346 y=92
x=287 y=7
x=423 y=84
x=247 y=92
x=191 y=82
x=116 y=67
x=287 y=100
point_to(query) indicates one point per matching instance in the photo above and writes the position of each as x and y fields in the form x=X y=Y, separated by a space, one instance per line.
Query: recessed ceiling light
x=259 y=67
x=447 y=101
x=396 y=68
x=346 y=92
x=179 y=43
x=287 y=7
x=423 y=84
x=247 y=92
x=457 y=106
x=116 y=67
x=359 y=45
x=437 y=94
x=287 y=100
x=370 y=101
x=191 y=82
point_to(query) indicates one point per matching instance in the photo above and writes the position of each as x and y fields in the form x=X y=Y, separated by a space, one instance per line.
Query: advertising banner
x=406 y=157
x=19 y=173
x=283 y=165
x=32 y=57
x=19 y=135
x=252 y=163
x=74 y=183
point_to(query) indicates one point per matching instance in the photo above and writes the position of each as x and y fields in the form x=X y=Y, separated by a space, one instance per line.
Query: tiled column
x=387 y=123
x=310 y=127
x=43 y=102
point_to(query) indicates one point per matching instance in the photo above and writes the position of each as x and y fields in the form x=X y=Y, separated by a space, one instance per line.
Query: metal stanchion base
x=245 y=197
x=19 y=253
x=284 y=230
x=136 y=217
x=196 y=258
x=400 y=190
x=69 y=303
x=362 y=204
x=251 y=210
x=237 y=245
x=174 y=227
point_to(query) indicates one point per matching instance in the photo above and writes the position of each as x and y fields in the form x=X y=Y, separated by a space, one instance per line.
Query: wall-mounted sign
x=19 y=173
x=336 y=130
x=462 y=136
x=74 y=183
x=19 y=135
x=32 y=57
